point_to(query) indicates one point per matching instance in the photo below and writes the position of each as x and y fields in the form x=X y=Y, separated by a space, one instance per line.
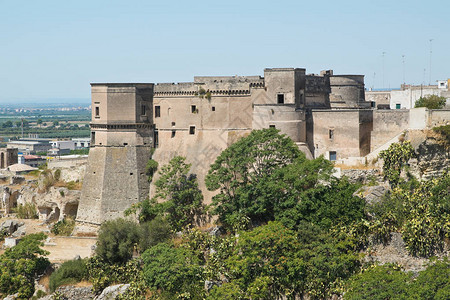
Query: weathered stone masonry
x=324 y=114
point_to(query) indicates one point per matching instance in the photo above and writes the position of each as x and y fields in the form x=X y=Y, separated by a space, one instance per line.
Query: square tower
x=121 y=141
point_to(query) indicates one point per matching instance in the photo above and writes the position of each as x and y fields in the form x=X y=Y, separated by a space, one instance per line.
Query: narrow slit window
x=331 y=133
x=191 y=129
x=97 y=112
x=173 y=133
x=193 y=109
x=157 y=111
x=143 y=110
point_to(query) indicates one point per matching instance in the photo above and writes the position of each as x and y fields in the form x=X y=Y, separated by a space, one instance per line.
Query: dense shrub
x=117 y=240
x=172 y=270
x=70 y=272
x=154 y=232
x=379 y=283
x=102 y=274
x=20 y=265
x=431 y=102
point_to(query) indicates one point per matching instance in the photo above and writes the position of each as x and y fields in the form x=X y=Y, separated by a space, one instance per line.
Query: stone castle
x=324 y=114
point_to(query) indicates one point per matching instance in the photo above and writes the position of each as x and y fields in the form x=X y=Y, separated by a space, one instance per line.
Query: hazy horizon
x=55 y=49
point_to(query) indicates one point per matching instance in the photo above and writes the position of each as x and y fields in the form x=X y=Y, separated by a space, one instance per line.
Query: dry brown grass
x=355 y=167
x=86 y=234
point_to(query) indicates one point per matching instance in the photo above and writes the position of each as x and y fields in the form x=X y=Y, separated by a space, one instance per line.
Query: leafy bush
x=172 y=270
x=70 y=272
x=20 y=265
x=420 y=211
x=26 y=211
x=102 y=274
x=431 y=102
x=444 y=131
x=57 y=174
x=117 y=239
x=379 y=283
x=434 y=282
x=395 y=159
x=390 y=282
x=150 y=168
x=64 y=227
x=154 y=232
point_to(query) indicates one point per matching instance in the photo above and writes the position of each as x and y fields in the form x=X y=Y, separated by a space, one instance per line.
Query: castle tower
x=121 y=140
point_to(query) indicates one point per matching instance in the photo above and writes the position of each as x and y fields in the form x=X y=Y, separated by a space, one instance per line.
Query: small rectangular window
x=173 y=133
x=397 y=106
x=157 y=111
x=331 y=134
x=193 y=109
x=97 y=112
x=213 y=108
x=173 y=123
x=143 y=110
x=280 y=98
x=271 y=126
x=191 y=129
x=332 y=155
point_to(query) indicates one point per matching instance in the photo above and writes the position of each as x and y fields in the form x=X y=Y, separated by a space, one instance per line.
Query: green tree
x=55 y=123
x=379 y=283
x=431 y=102
x=242 y=174
x=117 y=239
x=433 y=282
x=20 y=265
x=173 y=270
x=154 y=232
x=39 y=122
x=7 y=124
x=265 y=263
x=183 y=199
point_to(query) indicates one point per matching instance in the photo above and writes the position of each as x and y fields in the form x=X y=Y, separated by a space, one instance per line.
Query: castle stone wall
x=334 y=130
x=386 y=125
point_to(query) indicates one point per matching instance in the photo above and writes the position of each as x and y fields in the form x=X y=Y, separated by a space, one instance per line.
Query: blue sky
x=54 y=49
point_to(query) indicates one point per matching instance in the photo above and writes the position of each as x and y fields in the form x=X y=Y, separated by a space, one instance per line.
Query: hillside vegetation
x=286 y=229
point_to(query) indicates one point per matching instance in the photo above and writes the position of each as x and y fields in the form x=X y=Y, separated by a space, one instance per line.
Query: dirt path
x=61 y=248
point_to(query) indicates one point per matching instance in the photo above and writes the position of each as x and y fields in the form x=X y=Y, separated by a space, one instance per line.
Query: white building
x=406 y=97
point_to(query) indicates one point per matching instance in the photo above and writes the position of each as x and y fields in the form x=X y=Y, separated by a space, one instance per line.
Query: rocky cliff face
x=432 y=156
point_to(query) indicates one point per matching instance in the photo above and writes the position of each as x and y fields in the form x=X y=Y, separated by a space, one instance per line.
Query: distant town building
x=70 y=145
x=81 y=143
x=29 y=147
x=407 y=95
x=32 y=160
